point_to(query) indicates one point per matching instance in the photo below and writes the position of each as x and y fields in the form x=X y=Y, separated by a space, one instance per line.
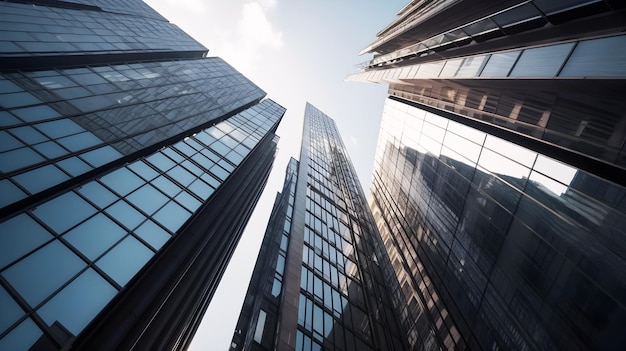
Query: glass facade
x=329 y=275
x=118 y=222
x=87 y=28
x=256 y=328
x=128 y=161
x=67 y=122
x=496 y=246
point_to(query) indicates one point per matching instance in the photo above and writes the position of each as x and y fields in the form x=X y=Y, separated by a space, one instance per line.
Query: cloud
x=253 y=36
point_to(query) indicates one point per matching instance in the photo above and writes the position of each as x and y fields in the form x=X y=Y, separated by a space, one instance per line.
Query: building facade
x=129 y=166
x=499 y=180
x=318 y=281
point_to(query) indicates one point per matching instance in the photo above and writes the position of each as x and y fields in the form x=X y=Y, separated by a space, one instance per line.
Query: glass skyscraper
x=129 y=166
x=499 y=181
x=318 y=281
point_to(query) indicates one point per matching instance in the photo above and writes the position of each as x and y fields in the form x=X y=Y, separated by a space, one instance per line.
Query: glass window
x=125 y=260
x=22 y=337
x=554 y=169
x=143 y=170
x=98 y=194
x=125 y=214
x=18 y=236
x=219 y=172
x=190 y=202
x=101 y=156
x=55 y=214
x=148 y=199
x=470 y=67
x=541 y=62
x=510 y=150
x=260 y=326
x=16 y=159
x=74 y=166
x=6 y=119
x=7 y=86
x=10 y=193
x=553 y=6
x=84 y=297
x=95 y=235
x=41 y=178
x=161 y=161
x=11 y=311
x=499 y=65
x=152 y=234
x=184 y=148
x=59 y=128
x=166 y=186
x=8 y=142
x=201 y=189
x=172 y=216
x=584 y=60
x=35 y=113
x=122 y=181
x=27 y=134
x=50 y=149
x=80 y=141
x=181 y=175
x=41 y=273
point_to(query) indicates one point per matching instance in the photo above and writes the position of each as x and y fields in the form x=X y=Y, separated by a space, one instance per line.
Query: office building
x=499 y=180
x=317 y=283
x=129 y=166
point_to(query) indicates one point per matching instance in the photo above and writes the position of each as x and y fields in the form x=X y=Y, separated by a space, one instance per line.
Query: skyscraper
x=317 y=282
x=129 y=166
x=499 y=180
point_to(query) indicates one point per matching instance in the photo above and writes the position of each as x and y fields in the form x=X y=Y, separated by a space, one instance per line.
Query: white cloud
x=254 y=35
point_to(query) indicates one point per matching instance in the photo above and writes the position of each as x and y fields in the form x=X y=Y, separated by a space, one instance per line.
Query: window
x=260 y=326
x=41 y=273
x=95 y=235
x=125 y=260
x=85 y=297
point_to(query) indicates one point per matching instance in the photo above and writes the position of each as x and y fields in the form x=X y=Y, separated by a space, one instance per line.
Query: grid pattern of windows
x=63 y=123
x=118 y=26
x=489 y=239
x=53 y=261
x=337 y=302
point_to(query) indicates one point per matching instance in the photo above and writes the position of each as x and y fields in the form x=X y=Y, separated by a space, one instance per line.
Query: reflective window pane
x=22 y=337
x=152 y=234
x=147 y=198
x=499 y=65
x=95 y=235
x=172 y=216
x=18 y=158
x=101 y=156
x=19 y=235
x=38 y=275
x=74 y=166
x=125 y=260
x=122 y=181
x=541 y=62
x=10 y=193
x=125 y=214
x=41 y=178
x=98 y=194
x=11 y=311
x=55 y=214
x=84 y=297
x=584 y=60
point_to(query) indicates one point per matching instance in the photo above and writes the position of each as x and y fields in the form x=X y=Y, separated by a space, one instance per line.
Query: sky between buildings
x=297 y=51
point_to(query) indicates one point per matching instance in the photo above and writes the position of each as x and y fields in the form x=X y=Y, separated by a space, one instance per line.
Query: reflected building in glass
x=318 y=281
x=129 y=166
x=499 y=180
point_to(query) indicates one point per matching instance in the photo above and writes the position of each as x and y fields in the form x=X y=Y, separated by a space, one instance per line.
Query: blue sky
x=296 y=51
